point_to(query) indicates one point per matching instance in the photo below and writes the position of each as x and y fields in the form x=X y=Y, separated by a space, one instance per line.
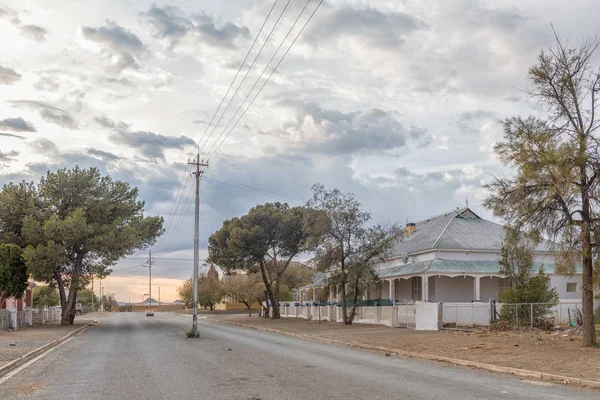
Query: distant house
x=25 y=301
x=179 y=302
x=452 y=257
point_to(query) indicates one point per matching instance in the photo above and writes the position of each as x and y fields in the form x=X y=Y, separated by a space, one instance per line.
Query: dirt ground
x=14 y=344
x=557 y=352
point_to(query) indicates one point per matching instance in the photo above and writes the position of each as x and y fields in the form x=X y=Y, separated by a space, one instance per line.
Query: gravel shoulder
x=553 y=352
x=16 y=343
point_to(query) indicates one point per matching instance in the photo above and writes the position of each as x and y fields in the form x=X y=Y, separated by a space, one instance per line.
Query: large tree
x=265 y=240
x=349 y=246
x=13 y=273
x=557 y=162
x=80 y=225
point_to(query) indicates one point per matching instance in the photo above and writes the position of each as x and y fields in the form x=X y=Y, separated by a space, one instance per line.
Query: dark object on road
x=149 y=313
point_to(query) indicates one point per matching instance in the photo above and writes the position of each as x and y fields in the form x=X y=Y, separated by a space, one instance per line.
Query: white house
x=452 y=257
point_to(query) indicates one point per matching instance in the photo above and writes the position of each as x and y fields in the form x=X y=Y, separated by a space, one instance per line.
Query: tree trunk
x=587 y=296
x=344 y=306
x=355 y=300
x=266 y=307
x=269 y=292
x=275 y=295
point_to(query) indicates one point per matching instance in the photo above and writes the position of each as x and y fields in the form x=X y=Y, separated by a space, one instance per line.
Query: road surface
x=131 y=356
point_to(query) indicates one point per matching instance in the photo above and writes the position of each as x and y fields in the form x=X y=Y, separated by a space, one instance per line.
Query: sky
x=398 y=102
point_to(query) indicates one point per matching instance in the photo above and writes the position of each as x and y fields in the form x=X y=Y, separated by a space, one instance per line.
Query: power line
x=271 y=74
x=273 y=29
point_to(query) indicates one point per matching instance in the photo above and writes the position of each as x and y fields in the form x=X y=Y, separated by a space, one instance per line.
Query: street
x=131 y=356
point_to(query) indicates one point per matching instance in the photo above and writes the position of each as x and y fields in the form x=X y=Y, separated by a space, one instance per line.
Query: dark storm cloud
x=373 y=26
x=172 y=24
x=8 y=76
x=34 y=32
x=16 y=125
x=150 y=144
x=48 y=112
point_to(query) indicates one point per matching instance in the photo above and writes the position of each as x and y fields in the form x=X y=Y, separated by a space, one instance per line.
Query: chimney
x=410 y=228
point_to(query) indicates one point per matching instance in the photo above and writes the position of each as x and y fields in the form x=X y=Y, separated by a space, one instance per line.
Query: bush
x=597 y=316
x=191 y=334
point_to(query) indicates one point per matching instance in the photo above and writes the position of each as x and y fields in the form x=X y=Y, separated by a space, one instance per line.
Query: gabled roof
x=460 y=229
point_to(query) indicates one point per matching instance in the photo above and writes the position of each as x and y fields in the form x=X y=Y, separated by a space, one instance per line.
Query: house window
x=417 y=288
x=571 y=287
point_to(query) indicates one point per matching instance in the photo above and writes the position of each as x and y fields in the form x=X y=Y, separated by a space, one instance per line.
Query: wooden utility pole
x=198 y=173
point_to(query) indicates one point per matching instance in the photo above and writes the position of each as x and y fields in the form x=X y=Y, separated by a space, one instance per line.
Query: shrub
x=191 y=334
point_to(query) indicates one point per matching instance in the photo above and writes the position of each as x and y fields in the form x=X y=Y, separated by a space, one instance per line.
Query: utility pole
x=159 y=296
x=92 y=293
x=150 y=278
x=198 y=173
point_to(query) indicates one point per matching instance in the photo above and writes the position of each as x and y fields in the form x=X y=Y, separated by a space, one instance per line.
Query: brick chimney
x=410 y=228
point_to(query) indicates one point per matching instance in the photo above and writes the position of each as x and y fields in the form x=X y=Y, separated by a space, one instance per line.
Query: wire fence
x=5 y=320
x=536 y=315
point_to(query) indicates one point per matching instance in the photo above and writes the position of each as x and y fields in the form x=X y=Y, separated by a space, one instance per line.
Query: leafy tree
x=285 y=294
x=186 y=292
x=85 y=297
x=81 y=224
x=297 y=275
x=348 y=246
x=17 y=200
x=527 y=285
x=210 y=288
x=245 y=288
x=45 y=295
x=557 y=163
x=265 y=240
x=109 y=302
x=13 y=273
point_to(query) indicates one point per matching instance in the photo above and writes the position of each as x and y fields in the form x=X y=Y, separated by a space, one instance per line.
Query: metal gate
x=406 y=316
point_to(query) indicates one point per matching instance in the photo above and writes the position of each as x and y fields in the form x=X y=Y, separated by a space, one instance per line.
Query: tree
x=80 y=225
x=265 y=240
x=109 y=302
x=557 y=163
x=45 y=295
x=13 y=273
x=210 y=288
x=186 y=292
x=85 y=297
x=298 y=275
x=245 y=288
x=527 y=285
x=348 y=247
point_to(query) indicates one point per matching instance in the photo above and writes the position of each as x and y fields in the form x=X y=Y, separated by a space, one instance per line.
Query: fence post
x=531 y=315
x=517 y=313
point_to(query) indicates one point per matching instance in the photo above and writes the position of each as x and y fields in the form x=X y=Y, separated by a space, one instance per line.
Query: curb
x=16 y=363
x=455 y=361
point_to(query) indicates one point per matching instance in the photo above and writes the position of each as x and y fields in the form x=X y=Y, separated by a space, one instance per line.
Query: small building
x=25 y=301
x=452 y=257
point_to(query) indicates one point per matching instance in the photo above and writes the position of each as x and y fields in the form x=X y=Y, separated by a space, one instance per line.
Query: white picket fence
x=13 y=319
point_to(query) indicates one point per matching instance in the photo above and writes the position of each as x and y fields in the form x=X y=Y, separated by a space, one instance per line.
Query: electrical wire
x=212 y=153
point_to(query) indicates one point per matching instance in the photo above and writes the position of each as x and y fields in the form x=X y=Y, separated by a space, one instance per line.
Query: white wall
x=459 y=289
x=489 y=288
x=560 y=283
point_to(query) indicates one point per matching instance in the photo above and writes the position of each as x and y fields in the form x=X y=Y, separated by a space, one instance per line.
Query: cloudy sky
x=396 y=101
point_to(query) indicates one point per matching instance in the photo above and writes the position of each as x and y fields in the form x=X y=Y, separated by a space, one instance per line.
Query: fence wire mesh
x=536 y=315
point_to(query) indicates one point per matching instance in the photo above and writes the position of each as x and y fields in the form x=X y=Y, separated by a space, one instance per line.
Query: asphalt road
x=131 y=356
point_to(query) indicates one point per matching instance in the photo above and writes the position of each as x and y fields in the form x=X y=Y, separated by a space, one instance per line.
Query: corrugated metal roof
x=454 y=266
x=461 y=230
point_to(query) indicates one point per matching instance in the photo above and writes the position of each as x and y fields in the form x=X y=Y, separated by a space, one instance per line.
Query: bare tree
x=555 y=190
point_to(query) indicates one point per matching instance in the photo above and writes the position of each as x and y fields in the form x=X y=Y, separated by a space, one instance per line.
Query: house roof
x=460 y=229
x=442 y=266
